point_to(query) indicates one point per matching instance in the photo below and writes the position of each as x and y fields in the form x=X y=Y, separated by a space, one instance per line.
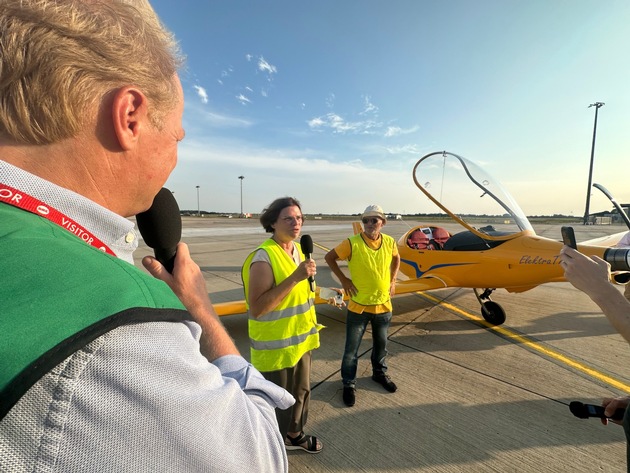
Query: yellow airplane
x=484 y=259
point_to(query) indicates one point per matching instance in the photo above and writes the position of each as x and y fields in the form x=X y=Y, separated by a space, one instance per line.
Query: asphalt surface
x=470 y=397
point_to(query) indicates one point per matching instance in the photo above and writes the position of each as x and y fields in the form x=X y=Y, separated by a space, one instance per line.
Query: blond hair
x=60 y=58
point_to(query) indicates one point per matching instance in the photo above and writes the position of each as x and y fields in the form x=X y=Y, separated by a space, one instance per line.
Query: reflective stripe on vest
x=287 y=342
x=278 y=339
x=370 y=270
x=288 y=312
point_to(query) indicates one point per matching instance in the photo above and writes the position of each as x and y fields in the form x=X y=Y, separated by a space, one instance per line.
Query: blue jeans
x=355 y=328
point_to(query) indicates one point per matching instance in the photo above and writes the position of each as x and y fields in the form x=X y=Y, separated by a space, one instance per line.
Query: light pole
x=597 y=105
x=198 y=210
x=241 y=178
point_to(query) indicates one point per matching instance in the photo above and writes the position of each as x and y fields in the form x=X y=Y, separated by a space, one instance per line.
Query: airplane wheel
x=493 y=313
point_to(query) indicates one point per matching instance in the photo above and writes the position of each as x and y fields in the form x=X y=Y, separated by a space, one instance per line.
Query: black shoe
x=348 y=396
x=385 y=381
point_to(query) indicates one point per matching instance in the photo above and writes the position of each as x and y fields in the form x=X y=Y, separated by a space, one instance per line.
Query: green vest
x=278 y=339
x=370 y=270
x=58 y=294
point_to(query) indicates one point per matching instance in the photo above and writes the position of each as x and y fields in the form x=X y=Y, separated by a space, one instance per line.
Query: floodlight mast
x=597 y=106
x=198 y=209
x=241 y=178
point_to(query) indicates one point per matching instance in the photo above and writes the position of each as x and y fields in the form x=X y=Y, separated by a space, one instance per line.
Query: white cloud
x=338 y=124
x=369 y=107
x=204 y=117
x=330 y=100
x=316 y=122
x=397 y=131
x=244 y=100
x=264 y=66
x=405 y=149
x=201 y=92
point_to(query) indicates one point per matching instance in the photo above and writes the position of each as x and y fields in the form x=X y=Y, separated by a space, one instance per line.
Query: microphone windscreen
x=306 y=242
x=161 y=225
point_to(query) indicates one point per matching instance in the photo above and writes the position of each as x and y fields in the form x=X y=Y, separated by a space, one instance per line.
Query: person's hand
x=348 y=287
x=187 y=281
x=586 y=274
x=305 y=270
x=392 y=289
x=611 y=405
x=189 y=285
x=333 y=300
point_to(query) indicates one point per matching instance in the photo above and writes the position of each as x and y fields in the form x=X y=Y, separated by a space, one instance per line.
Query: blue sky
x=334 y=101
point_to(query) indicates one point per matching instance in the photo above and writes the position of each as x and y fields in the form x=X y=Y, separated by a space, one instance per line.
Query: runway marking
x=535 y=346
x=321 y=247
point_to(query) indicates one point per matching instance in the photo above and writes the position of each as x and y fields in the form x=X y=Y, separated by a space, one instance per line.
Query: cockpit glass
x=468 y=191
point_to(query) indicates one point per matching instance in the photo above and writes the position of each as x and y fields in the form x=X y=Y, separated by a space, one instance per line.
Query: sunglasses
x=371 y=221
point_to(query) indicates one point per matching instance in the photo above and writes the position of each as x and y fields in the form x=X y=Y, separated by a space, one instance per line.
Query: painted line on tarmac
x=534 y=346
x=321 y=247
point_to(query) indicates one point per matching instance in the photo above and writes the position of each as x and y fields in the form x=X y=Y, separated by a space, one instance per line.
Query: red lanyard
x=23 y=201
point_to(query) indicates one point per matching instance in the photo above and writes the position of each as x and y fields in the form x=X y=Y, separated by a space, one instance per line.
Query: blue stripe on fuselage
x=419 y=273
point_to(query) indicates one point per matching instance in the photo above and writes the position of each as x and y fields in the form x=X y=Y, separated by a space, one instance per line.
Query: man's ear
x=129 y=116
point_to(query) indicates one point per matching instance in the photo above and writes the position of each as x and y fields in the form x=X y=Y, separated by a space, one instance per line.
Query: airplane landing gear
x=491 y=311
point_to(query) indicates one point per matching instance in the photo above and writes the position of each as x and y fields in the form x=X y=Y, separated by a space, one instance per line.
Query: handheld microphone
x=161 y=227
x=306 y=242
x=584 y=411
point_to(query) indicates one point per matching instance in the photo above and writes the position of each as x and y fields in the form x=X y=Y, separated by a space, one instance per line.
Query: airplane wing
x=230 y=308
x=416 y=285
x=239 y=307
x=608 y=240
x=402 y=287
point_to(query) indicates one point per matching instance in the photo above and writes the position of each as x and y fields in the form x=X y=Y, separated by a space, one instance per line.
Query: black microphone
x=161 y=227
x=306 y=242
x=584 y=411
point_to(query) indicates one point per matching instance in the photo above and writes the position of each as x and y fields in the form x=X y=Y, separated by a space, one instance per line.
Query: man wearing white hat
x=373 y=262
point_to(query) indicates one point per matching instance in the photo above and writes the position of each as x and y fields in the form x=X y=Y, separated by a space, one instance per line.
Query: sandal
x=296 y=443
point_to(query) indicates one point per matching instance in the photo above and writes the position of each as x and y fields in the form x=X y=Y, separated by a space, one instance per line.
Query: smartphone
x=326 y=293
x=584 y=411
x=568 y=237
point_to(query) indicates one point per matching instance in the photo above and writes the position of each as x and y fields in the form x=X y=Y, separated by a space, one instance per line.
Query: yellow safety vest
x=278 y=339
x=370 y=270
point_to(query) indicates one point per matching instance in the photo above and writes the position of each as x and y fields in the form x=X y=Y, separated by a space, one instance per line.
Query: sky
x=334 y=101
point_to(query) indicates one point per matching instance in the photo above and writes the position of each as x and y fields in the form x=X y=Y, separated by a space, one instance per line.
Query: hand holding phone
x=584 y=411
x=333 y=296
x=568 y=237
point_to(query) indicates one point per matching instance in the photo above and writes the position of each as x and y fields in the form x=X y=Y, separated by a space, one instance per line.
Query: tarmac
x=470 y=397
